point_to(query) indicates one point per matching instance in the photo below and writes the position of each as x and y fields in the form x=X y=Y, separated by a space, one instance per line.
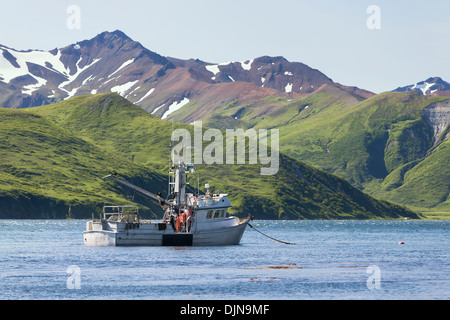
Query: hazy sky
x=412 y=44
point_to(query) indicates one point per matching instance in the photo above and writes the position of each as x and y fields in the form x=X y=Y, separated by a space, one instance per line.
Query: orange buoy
x=401 y=242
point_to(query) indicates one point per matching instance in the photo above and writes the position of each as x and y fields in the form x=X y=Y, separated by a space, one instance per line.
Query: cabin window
x=219 y=213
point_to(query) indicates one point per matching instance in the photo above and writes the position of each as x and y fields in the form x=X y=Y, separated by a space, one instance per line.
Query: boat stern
x=96 y=236
x=99 y=238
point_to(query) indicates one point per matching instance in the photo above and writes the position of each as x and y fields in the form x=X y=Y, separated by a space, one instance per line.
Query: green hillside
x=352 y=141
x=86 y=137
x=382 y=145
x=116 y=126
x=45 y=170
x=421 y=183
x=275 y=112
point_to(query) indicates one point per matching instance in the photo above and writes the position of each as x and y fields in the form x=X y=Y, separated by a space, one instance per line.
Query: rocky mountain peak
x=113 y=62
x=431 y=86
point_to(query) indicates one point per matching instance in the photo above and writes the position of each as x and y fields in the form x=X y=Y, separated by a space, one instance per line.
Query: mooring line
x=289 y=243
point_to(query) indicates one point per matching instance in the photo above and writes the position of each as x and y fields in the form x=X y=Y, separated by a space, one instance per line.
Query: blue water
x=331 y=260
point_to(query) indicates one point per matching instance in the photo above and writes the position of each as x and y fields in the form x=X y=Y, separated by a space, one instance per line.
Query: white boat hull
x=159 y=234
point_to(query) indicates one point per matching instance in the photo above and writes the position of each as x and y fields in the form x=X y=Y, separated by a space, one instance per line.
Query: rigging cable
x=289 y=243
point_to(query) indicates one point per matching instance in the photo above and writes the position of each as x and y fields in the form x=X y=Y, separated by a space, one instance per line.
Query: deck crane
x=152 y=196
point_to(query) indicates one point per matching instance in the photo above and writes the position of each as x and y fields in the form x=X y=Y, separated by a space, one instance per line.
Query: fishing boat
x=189 y=220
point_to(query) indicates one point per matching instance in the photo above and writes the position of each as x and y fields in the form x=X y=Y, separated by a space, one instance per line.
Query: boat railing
x=121 y=213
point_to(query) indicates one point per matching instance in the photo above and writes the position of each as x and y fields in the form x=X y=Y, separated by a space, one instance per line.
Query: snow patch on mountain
x=29 y=89
x=288 y=88
x=126 y=63
x=8 y=71
x=90 y=78
x=145 y=96
x=175 y=107
x=214 y=68
x=247 y=65
x=123 y=88
x=424 y=87
x=427 y=87
x=71 y=78
x=156 y=110
x=132 y=92
x=71 y=93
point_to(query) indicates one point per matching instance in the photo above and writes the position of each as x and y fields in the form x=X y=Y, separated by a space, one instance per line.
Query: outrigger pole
x=158 y=197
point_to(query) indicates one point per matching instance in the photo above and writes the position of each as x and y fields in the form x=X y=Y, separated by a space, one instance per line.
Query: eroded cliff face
x=438 y=117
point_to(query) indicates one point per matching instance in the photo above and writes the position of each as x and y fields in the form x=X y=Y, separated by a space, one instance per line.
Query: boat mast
x=179 y=181
x=177 y=176
x=170 y=186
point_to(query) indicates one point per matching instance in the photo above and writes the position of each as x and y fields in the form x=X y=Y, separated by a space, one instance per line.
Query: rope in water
x=289 y=243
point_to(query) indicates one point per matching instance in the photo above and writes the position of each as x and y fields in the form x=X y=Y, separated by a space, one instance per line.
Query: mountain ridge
x=113 y=62
x=433 y=86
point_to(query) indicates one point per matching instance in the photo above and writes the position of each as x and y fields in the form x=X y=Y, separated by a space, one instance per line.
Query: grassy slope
x=114 y=125
x=307 y=125
x=350 y=141
x=297 y=191
x=272 y=112
x=47 y=169
x=421 y=183
x=377 y=145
